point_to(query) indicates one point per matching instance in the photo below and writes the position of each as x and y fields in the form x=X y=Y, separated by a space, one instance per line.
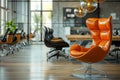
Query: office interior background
x=23 y=13
x=32 y=16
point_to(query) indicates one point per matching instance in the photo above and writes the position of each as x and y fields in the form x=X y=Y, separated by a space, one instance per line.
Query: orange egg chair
x=101 y=33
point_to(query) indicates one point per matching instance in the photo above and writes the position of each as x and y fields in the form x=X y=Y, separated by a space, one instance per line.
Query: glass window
x=35 y=5
x=40 y=16
x=2 y=21
x=47 y=19
x=35 y=21
x=3 y=14
x=2 y=3
x=47 y=5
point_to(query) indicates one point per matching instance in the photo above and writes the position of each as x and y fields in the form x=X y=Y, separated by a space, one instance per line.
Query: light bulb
x=79 y=12
x=88 y=5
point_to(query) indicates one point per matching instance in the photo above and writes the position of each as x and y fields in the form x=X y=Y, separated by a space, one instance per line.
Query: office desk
x=87 y=37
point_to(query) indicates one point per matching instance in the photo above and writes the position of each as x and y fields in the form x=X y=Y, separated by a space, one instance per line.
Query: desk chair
x=8 y=39
x=11 y=38
x=56 y=43
x=22 y=39
x=5 y=36
x=101 y=33
x=29 y=37
x=4 y=40
x=115 y=51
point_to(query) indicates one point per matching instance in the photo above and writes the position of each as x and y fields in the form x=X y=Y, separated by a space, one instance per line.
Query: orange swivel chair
x=101 y=33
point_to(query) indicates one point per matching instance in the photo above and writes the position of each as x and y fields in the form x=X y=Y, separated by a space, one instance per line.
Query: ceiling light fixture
x=88 y=5
x=79 y=12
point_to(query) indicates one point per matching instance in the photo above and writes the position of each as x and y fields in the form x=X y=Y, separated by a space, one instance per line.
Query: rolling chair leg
x=55 y=54
x=89 y=73
x=50 y=51
x=58 y=54
x=63 y=55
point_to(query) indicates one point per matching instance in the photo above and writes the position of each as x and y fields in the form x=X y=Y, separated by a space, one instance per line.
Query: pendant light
x=88 y=5
x=79 y=12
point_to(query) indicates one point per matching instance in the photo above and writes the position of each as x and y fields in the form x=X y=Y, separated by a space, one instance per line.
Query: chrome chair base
x=57 y=54
x=89 y=73
x=90 y=77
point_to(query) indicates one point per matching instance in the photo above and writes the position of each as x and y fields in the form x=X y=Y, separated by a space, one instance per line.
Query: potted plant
x=11 y=25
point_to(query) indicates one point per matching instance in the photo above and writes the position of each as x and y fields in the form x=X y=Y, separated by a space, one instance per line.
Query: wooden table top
x=87 y=37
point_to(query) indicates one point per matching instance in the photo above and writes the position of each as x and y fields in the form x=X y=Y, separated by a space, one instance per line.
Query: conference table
x=87 y=37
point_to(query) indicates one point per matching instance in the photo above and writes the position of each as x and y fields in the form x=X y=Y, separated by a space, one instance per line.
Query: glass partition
x=3 y=15
x=41 y=15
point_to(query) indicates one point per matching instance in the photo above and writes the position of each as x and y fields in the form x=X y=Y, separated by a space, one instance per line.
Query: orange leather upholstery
x=101 y=33
x=8 y=41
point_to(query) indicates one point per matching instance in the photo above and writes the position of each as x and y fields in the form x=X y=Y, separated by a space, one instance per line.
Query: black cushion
x=5 y=36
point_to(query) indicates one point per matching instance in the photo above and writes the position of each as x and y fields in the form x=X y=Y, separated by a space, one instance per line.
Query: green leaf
x=11 y=25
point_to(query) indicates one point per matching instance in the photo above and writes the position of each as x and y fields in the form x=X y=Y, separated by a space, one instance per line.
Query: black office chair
x=115 y=51
x=3 y=40
x=22 y=34
x=14 y=36
x=5 y=36
x=11 y=42
x=56 y=43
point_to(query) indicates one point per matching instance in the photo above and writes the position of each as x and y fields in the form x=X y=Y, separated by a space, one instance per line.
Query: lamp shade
x=98 y=1
x=79 y=12
x=88 y=5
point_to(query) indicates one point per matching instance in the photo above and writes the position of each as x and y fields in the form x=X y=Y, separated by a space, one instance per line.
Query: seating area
x=11 y=43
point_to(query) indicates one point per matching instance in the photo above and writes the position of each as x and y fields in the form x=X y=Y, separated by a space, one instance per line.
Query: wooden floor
x=30 y=64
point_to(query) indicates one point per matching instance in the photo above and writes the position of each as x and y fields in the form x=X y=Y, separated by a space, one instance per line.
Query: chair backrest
x=24 y=35
x=22 y=32
x=101 y=31
x=5 y=36
x=51 y=33
x=14 y=35
x=47 y=37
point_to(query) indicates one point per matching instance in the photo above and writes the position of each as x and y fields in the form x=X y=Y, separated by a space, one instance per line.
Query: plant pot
x=9 y=38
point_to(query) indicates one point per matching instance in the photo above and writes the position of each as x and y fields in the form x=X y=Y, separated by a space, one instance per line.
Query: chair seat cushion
x=76 y=53
x=56 y=40
x=59 y=44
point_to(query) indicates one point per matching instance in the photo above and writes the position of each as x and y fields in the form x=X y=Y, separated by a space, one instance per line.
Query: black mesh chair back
x=5 y=36
x=47 y=37
x=22 y=34
x=14 y=35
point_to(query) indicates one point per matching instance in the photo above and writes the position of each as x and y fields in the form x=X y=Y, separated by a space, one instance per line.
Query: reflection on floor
x=30 y=64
